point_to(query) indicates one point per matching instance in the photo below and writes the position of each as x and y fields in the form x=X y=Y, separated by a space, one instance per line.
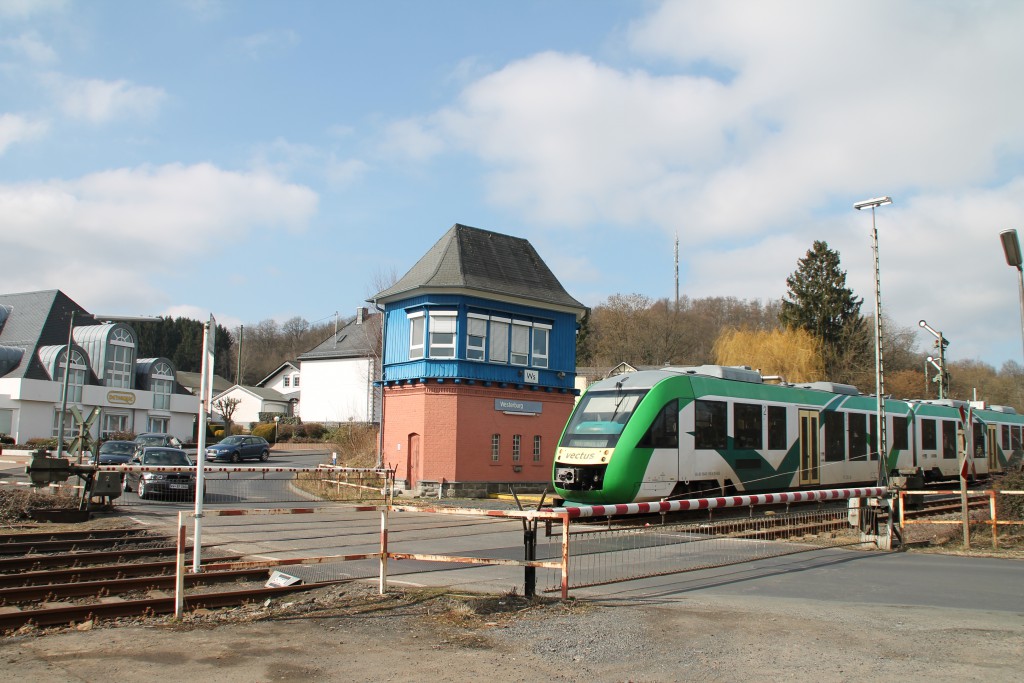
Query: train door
x=992 y=448
x=809 y=454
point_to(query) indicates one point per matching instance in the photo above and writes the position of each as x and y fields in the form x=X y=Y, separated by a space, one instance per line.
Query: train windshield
x=599 y=418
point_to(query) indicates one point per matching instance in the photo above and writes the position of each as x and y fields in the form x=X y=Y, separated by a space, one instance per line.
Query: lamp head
x=1011 y=247
x=872 y=203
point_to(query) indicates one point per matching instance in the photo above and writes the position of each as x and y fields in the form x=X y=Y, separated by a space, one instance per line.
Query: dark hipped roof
x=192 y=381
x=35 y=320
x=467 y=258
x=354 y=340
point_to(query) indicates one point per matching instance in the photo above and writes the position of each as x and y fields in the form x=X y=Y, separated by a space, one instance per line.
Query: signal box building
x=479 y=366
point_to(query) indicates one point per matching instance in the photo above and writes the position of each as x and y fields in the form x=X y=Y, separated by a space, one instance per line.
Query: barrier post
x=383 y=585
x=179 y=576
x=530 y=554
x=565 y=557
x=993 y=516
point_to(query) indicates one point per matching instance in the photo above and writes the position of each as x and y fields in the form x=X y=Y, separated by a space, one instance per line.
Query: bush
x=264 y=429
x=1010 y=507
x=315 y=430
x=218 y=433
x=356 y=443
x=6 y=439
x=41 y=442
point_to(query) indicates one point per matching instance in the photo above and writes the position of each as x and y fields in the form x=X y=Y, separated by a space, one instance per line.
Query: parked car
x=177 y=485
x=157 y=439
x=239 y=447
x=114 y=453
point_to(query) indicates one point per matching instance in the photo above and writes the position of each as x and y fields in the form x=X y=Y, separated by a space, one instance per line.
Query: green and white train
x=715 y=430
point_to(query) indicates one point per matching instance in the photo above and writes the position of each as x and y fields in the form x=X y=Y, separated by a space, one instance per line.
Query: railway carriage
x=715 y=430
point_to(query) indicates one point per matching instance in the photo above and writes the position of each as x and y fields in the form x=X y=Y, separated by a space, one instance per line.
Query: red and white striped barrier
x=712 y=503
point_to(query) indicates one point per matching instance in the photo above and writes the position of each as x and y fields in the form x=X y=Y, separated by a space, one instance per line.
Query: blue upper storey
x=458 y=338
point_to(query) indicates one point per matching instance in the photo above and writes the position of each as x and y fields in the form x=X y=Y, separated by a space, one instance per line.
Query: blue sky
x=262 y=160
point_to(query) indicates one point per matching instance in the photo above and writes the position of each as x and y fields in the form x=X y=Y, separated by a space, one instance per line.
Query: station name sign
x=507 y=405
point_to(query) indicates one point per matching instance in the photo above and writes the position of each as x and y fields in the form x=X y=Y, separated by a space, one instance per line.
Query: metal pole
x=883 y=450
x=64 y=389
x=205 y=393
x=1020 y=285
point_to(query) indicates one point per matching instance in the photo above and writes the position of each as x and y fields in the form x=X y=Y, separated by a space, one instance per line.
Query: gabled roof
x=468 y=258
x=34 y=320
x=259 y=392
x=193 y=381
x=354 y=340
x=282 y=366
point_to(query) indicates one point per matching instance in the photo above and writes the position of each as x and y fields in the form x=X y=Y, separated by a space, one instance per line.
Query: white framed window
x=158 y=425
x=476 y=336
x=295 y=380
x=520 y=343
x=120 y=359
x=417 y=330
x=287 y=381
x=442 y=334
x=499 y=340
x=517 y=443
x=114 y=422
x=495 y=447
x=162 y=386
x=536 y=448
x=541 y=339
x=69 y=425
x=76 y=378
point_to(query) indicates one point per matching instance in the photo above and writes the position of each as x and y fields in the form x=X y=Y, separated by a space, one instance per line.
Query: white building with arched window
x=131 y=394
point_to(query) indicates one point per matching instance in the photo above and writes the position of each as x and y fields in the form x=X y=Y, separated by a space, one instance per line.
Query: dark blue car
x=238 y=448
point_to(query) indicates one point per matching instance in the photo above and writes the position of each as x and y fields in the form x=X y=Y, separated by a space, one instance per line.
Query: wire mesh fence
x=605 y=555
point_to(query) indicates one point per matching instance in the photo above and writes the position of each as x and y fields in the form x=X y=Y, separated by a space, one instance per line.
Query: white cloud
x=410 y=139
x=99 y=101
x=118 y=237
x=15 y=129
x=24 y=9
x=32 y=47
x=257 y=45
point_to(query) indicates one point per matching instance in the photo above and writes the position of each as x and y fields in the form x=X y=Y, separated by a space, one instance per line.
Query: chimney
x=360 y=315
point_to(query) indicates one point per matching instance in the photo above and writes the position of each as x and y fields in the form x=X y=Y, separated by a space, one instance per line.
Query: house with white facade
x=251 y=402
x=286 y=381
x=40 y=332
x=338 y=374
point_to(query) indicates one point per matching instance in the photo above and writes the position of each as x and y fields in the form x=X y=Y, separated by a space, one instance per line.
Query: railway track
x=61 y=578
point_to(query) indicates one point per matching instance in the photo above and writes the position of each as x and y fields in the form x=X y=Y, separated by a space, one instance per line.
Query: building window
x=499 y=340
x=76 y=379
x=517 y=441
x=541 y=337
x=158 y=425
x=287 y=380
x=162 y=386
x=113 y=423
x=476 y=337
x=69 y=425
x=295 y=381
x=120 y=359
x=442 y=334
x=417 y=330
x=536 y=448
x=520 y=344
x=495 y=447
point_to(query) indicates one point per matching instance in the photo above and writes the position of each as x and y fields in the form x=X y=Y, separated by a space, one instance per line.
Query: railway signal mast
x=940 y=343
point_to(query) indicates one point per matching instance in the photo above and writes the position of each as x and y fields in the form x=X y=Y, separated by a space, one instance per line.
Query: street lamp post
x=883 y=449
x=1011 y=248
x=277 y=419
x=941 y=342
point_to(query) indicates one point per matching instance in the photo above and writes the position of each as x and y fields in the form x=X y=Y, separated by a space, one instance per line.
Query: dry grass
x=15 y=503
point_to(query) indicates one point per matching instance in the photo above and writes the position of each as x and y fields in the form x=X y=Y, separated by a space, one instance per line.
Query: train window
x=599 y=418
x=1015 y=443
x=979 y=440
x=777 y=428
x=899 y=433
x=835 y=426
x=929 y=442
x=747 y=426
x=857 y=436
x=710 y=419
x=1005 y=433
x=949 y=440
x=664 y=431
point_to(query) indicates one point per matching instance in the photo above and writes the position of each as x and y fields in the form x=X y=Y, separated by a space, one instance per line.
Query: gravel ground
x=350 y=633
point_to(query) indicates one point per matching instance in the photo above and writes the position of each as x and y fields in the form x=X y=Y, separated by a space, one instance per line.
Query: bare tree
x=227 y=407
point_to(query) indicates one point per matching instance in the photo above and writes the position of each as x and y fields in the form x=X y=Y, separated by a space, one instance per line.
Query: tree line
x=815 y=332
